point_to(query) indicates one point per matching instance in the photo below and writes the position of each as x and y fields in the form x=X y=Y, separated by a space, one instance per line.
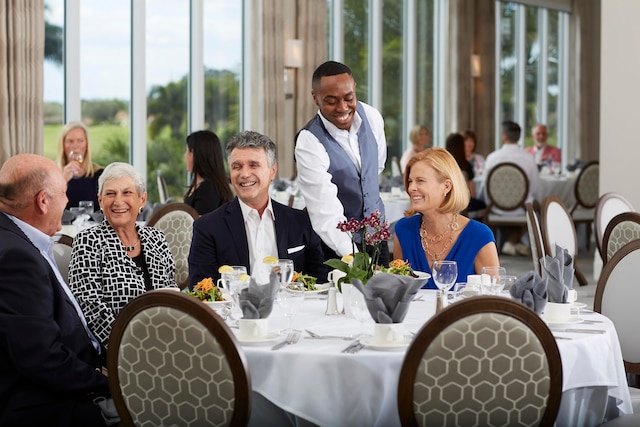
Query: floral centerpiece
x=360 y=265
x=206 y=291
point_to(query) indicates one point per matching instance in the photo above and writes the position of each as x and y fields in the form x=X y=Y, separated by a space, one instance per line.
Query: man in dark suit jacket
x=252 y=225
x=49 y=361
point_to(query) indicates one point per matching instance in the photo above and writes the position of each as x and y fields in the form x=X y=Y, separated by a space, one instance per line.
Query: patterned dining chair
x=481 y=361
x=507 y=188
x=558 y=229
x=62 y=254
x=616 y=297
x=175 y=220
x=622 y=229
x=172 y=361
x=608 y=205
x=535 y=238
x=586 y=191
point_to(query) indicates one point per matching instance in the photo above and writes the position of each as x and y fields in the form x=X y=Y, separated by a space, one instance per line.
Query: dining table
x=312 y=382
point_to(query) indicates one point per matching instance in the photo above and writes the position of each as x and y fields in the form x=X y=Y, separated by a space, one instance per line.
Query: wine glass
x=358 y=308
x=76 y=156
x=290 y=299
x=445 y=274
x=87 y=206
x=496 y=279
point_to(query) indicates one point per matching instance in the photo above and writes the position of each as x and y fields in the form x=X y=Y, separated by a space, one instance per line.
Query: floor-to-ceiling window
x=531 y=62
x=104 y=71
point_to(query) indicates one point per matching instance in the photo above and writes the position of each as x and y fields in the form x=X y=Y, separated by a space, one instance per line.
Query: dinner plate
x=217 y=305
x=269 y=339
x=320 y=287
x=383 y=346
x=572 y=320
x=579 y=305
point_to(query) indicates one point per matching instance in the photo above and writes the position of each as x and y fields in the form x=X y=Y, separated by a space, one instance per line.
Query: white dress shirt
x=320 y=194
x=261 y=239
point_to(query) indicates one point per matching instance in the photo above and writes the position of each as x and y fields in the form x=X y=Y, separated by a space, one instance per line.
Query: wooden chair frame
x=536 y=238
x=581 y=201
x=460 y=310
x=209 y=320
x=615 y=221
x=165 y=209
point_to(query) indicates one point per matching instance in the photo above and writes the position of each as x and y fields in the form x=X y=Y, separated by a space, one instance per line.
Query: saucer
x=270 y=338
x=578 y=305
x=385 y=346
x=571 y=320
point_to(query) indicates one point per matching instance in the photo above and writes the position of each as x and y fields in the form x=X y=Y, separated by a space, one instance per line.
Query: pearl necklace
x=452 y=227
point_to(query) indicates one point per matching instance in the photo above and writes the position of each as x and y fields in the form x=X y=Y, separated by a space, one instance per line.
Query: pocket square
x=295 y=249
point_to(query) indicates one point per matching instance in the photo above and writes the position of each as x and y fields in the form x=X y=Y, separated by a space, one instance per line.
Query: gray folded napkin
x=256 y=301
x=531 y=290
x=558 y=270
x=388 y=296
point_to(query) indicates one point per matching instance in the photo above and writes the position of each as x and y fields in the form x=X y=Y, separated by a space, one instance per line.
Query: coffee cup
x=388 y=333
x=572 y=296
x=557 y=311
x=335 y=275
x=253 y=328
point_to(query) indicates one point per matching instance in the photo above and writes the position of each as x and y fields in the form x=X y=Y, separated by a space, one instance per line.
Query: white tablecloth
x=315 y=381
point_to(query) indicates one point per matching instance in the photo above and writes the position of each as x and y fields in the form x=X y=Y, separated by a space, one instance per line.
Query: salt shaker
x=332 y=303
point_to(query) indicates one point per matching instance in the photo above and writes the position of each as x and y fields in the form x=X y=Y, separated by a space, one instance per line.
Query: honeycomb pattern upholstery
x=507 y=186
x=608 y=205
x=622 y=229
x=484 y=361
x=173 y=362
x=175 y=220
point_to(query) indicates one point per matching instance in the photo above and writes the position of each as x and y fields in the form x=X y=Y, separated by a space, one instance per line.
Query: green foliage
x=103 y=111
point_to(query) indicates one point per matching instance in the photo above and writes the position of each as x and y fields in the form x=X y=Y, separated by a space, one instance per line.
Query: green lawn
x=98 y=135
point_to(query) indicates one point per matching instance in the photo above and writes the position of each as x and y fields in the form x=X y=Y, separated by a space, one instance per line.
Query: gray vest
x=358 y=192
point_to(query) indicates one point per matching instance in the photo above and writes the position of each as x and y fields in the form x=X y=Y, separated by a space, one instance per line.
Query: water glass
x=225 y=279
x=445 y=274
x=290 y=299
x=358 y=308
x=285 y=270
x=493 y=284
x=87 y=206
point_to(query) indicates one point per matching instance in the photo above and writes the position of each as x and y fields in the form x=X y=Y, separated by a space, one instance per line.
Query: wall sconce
x=292 y=60
x=476 y=70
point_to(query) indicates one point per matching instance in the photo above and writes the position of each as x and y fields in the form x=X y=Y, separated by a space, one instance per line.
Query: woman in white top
x=420 y=138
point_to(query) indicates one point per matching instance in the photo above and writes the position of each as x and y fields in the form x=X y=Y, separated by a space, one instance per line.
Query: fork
x=292 y=338
x=318 y=336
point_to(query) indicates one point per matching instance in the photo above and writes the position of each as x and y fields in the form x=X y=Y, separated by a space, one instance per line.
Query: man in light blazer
x=49 y=360
x=252 y=225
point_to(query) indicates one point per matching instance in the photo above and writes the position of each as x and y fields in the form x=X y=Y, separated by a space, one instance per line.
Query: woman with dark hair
x=455 y=145
x=209 y=183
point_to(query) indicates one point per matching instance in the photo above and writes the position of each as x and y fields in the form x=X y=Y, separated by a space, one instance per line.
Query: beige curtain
x=283 y=117
x=21 y=76
x=472 y=99
x=584 y=81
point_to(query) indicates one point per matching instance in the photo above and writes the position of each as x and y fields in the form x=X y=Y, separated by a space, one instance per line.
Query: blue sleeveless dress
x=472 y=238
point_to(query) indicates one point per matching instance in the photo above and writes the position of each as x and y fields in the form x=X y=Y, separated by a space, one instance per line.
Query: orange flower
x=397 y=263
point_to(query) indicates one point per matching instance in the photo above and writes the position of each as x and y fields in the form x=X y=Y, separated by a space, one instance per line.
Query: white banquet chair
x=616 y=297
x=609 y=205
x=62 y=254
x=494 y=381
x=535 y=238
x=558 y=229
x=172 y=361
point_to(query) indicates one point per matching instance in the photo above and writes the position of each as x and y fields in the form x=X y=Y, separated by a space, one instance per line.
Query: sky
x=105 y=44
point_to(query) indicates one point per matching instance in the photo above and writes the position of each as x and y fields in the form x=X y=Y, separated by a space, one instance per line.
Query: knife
x=580 y=331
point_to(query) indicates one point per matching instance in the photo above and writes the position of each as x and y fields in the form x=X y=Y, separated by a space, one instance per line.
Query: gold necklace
x=452 y=227
x=130 y=248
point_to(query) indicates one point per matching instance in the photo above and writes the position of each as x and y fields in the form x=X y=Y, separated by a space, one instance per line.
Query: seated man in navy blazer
x=49 y=360
x=252 y=225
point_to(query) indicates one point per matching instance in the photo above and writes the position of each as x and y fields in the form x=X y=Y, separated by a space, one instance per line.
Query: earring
x=140 y=210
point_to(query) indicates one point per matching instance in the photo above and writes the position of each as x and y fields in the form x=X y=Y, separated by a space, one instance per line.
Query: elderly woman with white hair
x=117 y=260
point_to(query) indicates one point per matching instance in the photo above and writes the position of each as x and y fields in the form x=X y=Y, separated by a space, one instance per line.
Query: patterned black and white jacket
x=104 y=278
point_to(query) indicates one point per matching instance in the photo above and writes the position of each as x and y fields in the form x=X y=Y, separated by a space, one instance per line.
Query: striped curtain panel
x=21 y=76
